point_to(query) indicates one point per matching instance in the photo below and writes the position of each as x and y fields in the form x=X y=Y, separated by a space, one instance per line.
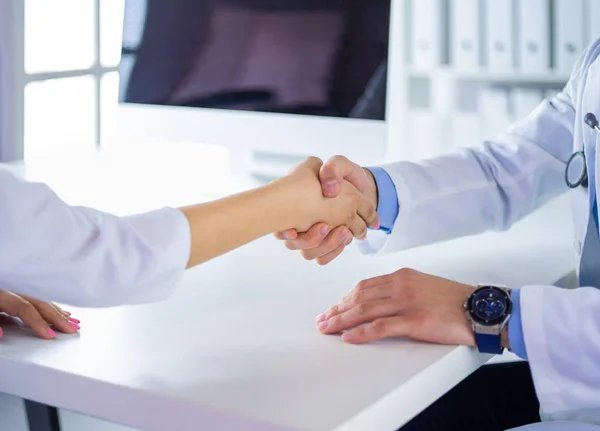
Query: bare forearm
x=221 y=226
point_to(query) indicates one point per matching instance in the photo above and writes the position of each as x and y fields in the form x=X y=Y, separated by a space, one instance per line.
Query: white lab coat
x=494 y=186
x=84 y=257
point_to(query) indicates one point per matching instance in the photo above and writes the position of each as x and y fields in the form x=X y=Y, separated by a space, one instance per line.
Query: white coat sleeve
x=84 y=257
x=487 y=188
x=561 y=328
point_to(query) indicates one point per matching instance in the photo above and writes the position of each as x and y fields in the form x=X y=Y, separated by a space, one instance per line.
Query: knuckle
x=25 y=310
x=404 y=274
x=55 y=310
x=338 y=158
x=333 y=311
x=321 y=261
x=378 y=327
x=387 y=279
x=362 y=285
x=359 y=332
x=313 y=241
x=334 y=238
x=362 y=232
x=357 y=297
x=362 y=309
x=290 y=245
x=360 y=296
x=334 y=321
x=307 y=255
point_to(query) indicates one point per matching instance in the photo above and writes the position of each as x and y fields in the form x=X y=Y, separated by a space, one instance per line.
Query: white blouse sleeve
x=85 y=257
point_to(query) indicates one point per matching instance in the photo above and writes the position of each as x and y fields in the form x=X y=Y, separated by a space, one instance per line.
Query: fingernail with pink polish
x=320 y=318
x=71 y=319
x=347 y=336
x=322 y=326
x=287 y=235
x=74 y=326
x=51 y=333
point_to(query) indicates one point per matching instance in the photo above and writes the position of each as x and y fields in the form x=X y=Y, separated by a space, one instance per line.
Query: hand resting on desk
x=36 y=314
x=406 y=303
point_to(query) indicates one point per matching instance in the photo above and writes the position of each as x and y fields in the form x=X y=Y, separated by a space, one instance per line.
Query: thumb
x=336 y=169
x=330 y=180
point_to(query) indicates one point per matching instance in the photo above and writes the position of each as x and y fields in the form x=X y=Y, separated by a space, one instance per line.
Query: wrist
x=489 y=309
x=371 y=189
x=284 y=209
x=291 y=201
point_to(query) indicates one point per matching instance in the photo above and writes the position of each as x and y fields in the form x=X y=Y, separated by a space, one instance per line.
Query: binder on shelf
x=592 y=12
x=494 y=110
x=500 y=35
x=533 y=17
x=525 y=100
x=465 y=35
x=569 y=37
x=427 y=29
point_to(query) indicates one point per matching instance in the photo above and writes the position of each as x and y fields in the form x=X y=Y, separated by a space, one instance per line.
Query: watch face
x=489 y=305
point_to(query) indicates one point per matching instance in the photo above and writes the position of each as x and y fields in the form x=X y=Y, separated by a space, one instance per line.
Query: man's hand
x=406 y=303
x=322 y=242
x=38 y=315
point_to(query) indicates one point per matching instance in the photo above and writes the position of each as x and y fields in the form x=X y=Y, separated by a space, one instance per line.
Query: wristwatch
x=488 y=309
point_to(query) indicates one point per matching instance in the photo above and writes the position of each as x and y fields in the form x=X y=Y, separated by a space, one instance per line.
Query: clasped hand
x=347 y=209
x=345 y=187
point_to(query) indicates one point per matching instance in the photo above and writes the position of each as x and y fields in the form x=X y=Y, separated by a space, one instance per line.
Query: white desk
x=236 y=347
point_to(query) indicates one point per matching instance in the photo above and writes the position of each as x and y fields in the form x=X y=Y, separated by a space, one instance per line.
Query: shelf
x=489 y=76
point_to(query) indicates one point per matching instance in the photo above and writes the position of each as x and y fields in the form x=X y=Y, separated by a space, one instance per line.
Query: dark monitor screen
x=311 y=57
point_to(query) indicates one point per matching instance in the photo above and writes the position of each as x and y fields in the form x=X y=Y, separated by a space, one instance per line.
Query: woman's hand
x=38 y=315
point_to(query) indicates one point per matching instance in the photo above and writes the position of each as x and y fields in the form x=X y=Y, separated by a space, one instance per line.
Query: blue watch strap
x=489 y=343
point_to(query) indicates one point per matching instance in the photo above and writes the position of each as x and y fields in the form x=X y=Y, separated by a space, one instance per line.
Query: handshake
x=336 y=202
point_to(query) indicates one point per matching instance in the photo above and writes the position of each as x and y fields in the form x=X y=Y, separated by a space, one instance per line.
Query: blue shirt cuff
x=388 y=206
x=515 y=326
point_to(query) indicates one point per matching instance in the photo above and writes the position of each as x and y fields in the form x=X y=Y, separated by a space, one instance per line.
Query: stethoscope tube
x=576 y=171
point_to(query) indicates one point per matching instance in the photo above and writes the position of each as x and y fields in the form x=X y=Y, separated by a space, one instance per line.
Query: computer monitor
x=275 y=80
